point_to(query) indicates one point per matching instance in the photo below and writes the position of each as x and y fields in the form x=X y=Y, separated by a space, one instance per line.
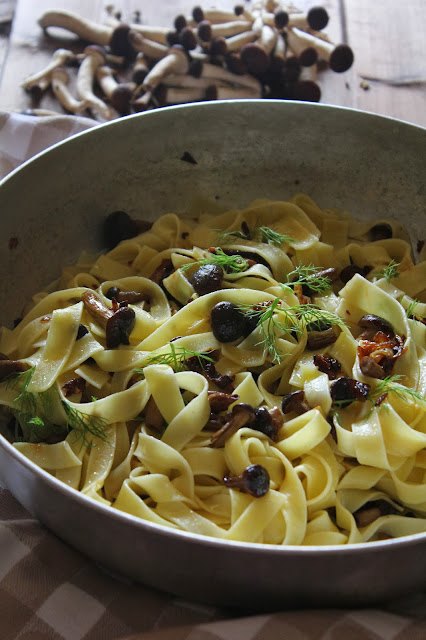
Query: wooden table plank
x=388 y=37
x=387 y=40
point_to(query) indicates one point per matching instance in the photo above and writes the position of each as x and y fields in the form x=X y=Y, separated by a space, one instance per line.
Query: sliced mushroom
x=220 y=401
x=96 y=308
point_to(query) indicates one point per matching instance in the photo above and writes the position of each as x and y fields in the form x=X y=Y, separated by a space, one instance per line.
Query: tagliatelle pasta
x=255 y=375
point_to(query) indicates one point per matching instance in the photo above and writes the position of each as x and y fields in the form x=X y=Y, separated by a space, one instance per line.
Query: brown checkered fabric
x=48 y=591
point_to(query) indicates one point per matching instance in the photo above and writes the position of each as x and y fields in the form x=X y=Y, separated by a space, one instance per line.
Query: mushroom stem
x=302 y=49
x=85 y=81
x=119 y=94
x=151 y=49
x=140 y=69
x=174 y=95
x=60 y=80
x=216 y=16
x=176 y=61
x=156 y=34
x=227 y=29
x=182 y=81
x=83 y=28
x=231 y=93
x=316 y=18
x=234 y=43
x=218 y=73
x=59 y=58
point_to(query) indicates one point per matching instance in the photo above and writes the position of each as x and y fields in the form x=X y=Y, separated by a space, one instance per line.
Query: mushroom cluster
x=271 y=50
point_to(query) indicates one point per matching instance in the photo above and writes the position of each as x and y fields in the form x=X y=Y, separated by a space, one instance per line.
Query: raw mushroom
x=119 y=94
x=59 y=81
x=316 y=18
x=94 y=58
x=173 y=95
x=231 y=93
x=176 y=61
x=116 y=38
x=339 y=58
x=59 y=58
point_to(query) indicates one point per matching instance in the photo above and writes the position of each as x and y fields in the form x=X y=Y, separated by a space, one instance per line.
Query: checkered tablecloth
x=49 y=591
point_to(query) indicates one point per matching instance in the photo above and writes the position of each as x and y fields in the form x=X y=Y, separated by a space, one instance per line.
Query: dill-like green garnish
x=33 y=412
x=390 y=385
x=176 y=358
x=259 y=234
x=274 y=317
x=309 y=275
x=410 y=311
x=230 y=264
x=83 y=424
x=389 y=272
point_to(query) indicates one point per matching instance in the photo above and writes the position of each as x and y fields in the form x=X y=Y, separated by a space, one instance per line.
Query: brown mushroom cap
x=255 y=58
x=120 y=43
x=341 y=58
x=317 y=18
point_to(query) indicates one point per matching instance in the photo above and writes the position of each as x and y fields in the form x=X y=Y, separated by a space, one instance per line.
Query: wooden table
x=387 y=36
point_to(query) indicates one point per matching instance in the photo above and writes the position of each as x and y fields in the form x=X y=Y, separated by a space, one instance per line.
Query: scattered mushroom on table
x=262 y=49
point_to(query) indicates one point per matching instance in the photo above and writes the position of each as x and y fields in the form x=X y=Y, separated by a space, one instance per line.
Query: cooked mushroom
x=242 y=415
x=295 y=401
x=376 y=323
x=119 y=327
x=345 y=390
x=9 y=367
x=254 y=480
x=119 y=226
x=371 y=368
x=220 y=401
x=96 y=308
x=320 y=339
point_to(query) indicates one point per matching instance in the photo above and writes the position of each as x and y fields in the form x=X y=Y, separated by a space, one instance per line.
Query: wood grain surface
x=387 y=36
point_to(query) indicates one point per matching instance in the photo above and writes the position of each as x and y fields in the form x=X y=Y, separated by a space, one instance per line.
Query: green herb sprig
x=33 y=411
x=230 y=264
x=259 y=234
x=274 y=317
x=309 y=275
x=390 y=271
x=390 y=384
x=176 y=358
